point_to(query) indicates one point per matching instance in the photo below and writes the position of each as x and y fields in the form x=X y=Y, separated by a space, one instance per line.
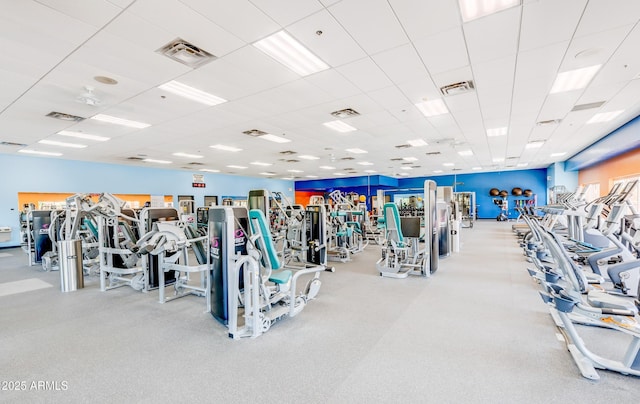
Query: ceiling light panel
x=417 y=143
x=327 y=168
x=432 y=107
x=448 y=164
x=187 y=155
x=534 y=144
x=494 y=132
x=191 y=93
x=120 y=121
x=85 y=136
x=365 y=163
x=295 y=171
x=274 y=138
x=465 y=153
x=339 y=126
x=369 y=171
x=474 y=9
x=235 y=166
x=285 y=49
x=63 y=144
x=156 y=161
x=604 y=117
x=558 y=154
x=209 y=170
x=356 y=151
x=308 y=157
x=42 y=153
x=259 y=163
x=410 y=159
x=225 y=148
x=574 y=79
x=311 y=176
x=267 y=173
x=522 y=164
x=437 y=171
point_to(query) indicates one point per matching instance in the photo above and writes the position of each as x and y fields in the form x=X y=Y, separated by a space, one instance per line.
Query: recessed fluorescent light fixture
x=81 y=135
x=308 y=157
x=238 y=167
x=437 y=171
x=327 y=168
x=410 y=159
x=604 y=116
x=494 y=132
x=448 y=164
x=403 y=174
x=120 y=121
x=225 y=148
x=365 y=163
x=417 y=143
x=574 y=79
x=476 y=168
x=339 y=174
x=473 y=9
x=274 y=138
x=432 y=107
x=282 y=47
x=295 y=171
x=522 y=164
x=63 y=144
x=191 y=93
x=259 y=163
x=187 y=155
x=465 y=153
x=558 y=154
x=43 y=153
x=209 y=170
x=498 y=160
x=534 y=144
x=369 y=171
x=356 y=151
x=406 y=168
x=311 y=176
x=156 y=161
x=339 y=126
x=267 y=173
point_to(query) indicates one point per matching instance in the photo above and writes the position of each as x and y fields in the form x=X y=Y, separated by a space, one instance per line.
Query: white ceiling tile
x=389 y=97
x=121 y=3
x=494 y=36
x=240 y=17
x=558 y=105
x=602 y=15
x=401 y=64
x=286 y=12
x=594 y=49
x=419 y=90
x=334 y=46
x=95 y=12
x=365 y=75
x=624 y=64
x=132 y=28
x=380 y=29
x=334 y=83
x=444 y=51
x=426 y=17
x=539 y=63
x=547 y=22
x=453 y=76
x=494 y=80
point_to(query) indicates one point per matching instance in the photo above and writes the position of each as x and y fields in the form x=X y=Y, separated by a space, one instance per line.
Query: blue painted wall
x=557 y=175
x=480 y=183
x=33 y=174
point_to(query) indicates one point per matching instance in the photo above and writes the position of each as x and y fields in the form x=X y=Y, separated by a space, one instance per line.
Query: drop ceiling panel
x=427 y=17
x=286 y=12
x=334 y=46
x=594 y=49
x=185 y=23
x=365 y=75
x=418 y=90
x=240 y=17
x=95 y=12
x=624 y=64
x=389 y=97
x=540 y=63
x=134 y=29
x=494 y=80
x=443 y=51
x=548 y=22
x=333 y=83
x=558 y=105
x=601 y=16
x=366 y=31
x=264 y=69
x=494 y=36
x=401 y=64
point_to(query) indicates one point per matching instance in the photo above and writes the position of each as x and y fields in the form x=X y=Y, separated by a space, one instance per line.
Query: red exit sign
x=198 y=185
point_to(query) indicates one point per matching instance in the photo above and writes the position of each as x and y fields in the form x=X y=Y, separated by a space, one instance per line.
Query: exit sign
x=198 y=185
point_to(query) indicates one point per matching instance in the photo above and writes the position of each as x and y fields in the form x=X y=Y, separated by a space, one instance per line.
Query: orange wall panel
x=620 y=166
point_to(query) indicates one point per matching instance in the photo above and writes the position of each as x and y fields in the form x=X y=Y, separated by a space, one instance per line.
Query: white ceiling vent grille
x=347 y=158
x=186 y=53
x=433 y=153
x=403 y=146
x=345 y=113
x=590 y=105
x=134 y=158
x=65 y=117
x=288 y=152
x=457 y=88
x=254 y=132
x=548 y=122
x=397 y=159
x=12 y=144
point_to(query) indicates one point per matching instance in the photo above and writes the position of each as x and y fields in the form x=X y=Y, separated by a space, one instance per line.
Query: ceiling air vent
x=12 y=144
x=433 y=153
x=397 y=159
x=416 y=166
x=186 y=53
x=548 y=122
x=456 y=169
x=512 y=158
x=345 y=113
x=288 y=152
x=457 y=88
x=347 y=158
x=65 y=117
x=135 y=158
x=403 y=146
x=590 y=105
x=195 y=163
x=254 y=132
x=292 y=161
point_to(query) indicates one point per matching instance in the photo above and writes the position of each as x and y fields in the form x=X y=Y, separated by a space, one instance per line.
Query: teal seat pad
x=257 y=216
